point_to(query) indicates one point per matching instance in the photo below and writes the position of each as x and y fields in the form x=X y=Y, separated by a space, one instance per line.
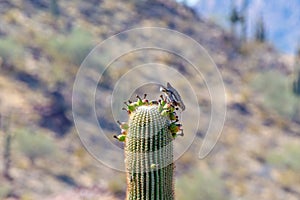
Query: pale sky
x=282 y=18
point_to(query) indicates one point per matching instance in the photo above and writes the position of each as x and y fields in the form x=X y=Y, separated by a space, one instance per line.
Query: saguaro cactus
x=148 y=138
x=149 y=155
x=4 y=125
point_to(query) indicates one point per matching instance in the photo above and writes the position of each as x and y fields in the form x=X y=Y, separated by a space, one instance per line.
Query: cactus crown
x=148 y=137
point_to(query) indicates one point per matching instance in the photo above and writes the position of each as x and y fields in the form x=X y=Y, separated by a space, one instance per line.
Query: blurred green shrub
x=72 y=48
x=35 y=145
x=276 y=92
x=200 y=186
x=118 y=185
x=5 y=190
x=10 y=50
x=287 y=157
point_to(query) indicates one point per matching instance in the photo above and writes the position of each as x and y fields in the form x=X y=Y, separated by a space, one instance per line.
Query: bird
x=172 y=95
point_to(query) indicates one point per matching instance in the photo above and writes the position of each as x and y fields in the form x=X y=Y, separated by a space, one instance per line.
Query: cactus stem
x=148 y=138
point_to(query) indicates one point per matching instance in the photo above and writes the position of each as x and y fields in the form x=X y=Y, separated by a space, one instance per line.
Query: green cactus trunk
x=149 y=156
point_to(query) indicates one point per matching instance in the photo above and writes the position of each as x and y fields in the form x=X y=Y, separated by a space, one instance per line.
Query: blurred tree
x=54 y=8
x=243 y=19
x=298 y=51
x=260 y=31
x=296 y=82
x=234 y=17
x=239 y=17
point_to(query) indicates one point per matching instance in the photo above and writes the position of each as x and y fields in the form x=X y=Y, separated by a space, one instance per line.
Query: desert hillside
x=42 y=45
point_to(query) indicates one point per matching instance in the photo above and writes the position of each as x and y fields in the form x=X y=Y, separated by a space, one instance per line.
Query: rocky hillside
x=42 y=44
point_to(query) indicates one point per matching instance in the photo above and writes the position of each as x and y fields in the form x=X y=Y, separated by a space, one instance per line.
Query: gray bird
x=172 y=95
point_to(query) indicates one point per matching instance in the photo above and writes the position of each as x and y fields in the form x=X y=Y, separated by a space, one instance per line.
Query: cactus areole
x=148 y=137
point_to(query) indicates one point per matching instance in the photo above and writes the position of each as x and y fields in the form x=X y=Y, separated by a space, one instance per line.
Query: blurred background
x=255 y=45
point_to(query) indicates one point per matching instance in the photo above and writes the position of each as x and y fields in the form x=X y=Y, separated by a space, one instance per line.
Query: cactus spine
x=149 y=155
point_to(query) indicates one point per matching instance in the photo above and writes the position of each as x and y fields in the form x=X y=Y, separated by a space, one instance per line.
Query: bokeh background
x=254 y=45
